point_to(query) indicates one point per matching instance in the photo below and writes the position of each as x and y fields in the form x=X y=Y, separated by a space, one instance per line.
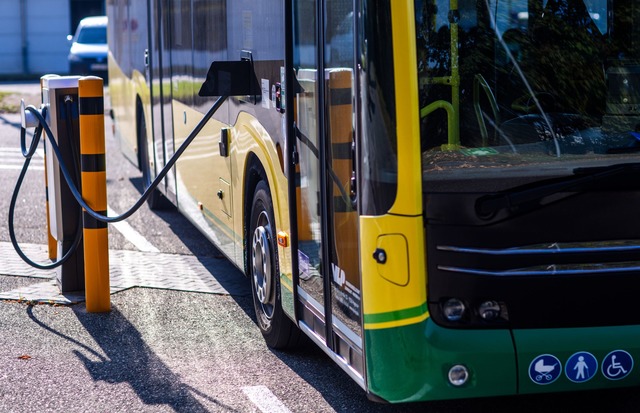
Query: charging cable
x=28 y=154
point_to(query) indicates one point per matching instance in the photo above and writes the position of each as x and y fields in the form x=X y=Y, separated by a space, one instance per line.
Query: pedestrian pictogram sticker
x=617 y=365
x=545 y=369
x=581 y=367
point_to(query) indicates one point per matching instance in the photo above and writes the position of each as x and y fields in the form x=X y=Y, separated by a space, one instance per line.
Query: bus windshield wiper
x=513 y=199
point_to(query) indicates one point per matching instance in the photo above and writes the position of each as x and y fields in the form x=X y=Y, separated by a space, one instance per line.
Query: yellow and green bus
x=441 y=194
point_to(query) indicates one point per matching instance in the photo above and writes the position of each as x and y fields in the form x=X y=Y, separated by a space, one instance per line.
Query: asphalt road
x=157 y=350
x=161 y=350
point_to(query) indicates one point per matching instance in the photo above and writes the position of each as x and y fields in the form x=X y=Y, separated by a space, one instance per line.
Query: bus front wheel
x=277 y=329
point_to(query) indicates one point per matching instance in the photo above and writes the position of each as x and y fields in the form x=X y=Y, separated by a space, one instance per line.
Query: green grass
x=7 y=106
x=10 y=101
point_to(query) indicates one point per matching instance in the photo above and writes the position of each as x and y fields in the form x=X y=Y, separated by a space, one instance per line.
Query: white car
x=88 y=53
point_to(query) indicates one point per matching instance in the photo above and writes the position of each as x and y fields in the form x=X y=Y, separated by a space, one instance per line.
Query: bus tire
x=277 y=329
x=156 y=200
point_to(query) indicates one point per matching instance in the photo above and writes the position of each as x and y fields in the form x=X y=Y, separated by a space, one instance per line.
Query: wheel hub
x=262 y=265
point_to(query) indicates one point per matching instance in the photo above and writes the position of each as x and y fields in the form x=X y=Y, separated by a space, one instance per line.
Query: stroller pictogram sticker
x=545 y=369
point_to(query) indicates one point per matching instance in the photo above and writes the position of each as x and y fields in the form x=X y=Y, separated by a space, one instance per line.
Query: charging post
x=60 y=98
x=72 y=118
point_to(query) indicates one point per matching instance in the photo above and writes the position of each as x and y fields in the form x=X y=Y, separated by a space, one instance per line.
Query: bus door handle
x=223 y=145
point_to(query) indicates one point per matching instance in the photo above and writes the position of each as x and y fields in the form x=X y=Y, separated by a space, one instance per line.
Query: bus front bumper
x=412 y=363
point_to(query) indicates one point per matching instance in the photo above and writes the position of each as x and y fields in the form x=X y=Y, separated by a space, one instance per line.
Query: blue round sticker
x=545 y=369
x=581 y=367
x=617 y=365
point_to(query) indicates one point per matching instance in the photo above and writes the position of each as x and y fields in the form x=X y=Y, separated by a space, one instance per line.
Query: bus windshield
x=526 y=88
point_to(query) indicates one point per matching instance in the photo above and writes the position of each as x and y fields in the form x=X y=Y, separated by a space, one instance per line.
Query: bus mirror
x=234 y=78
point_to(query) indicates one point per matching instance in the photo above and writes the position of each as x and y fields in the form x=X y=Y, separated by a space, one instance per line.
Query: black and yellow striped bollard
x=94 y=192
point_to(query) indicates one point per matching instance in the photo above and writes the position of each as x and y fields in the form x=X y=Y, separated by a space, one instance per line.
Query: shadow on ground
x=124 y=357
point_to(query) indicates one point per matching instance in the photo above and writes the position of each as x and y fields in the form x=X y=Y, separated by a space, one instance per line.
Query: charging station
x=71 y=119
x=60 y=98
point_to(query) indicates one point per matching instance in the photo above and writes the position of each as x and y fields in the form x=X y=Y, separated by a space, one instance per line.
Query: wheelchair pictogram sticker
x=545 y=369
x=617 y=365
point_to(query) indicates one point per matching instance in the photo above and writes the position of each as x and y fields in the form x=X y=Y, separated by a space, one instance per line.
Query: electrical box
x=60 y=98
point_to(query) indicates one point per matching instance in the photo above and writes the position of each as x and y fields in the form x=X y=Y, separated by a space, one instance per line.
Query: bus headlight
x=453 y=309
x=489 y=310
x=466 y=312
x=458 y=375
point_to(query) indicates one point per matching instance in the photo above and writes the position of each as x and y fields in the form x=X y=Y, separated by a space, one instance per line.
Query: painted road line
x=11 y=159
x=19 y=167
x=266 y=401
x=131 y=234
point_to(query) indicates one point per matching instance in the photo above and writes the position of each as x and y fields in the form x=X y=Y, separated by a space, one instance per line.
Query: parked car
x=88 y=53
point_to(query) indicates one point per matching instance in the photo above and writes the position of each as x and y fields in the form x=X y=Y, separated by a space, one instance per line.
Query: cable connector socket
x=28 y=119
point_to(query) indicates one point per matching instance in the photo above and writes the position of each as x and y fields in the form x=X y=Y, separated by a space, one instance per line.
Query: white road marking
x=131 y=234
x=19 y=167
x=11 y=158
x=266 y=401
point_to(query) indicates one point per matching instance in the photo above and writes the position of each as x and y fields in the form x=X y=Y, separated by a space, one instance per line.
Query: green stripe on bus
x=285 y=280
x=396 y=315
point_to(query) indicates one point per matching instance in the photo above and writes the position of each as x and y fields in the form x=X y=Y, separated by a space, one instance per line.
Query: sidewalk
x=127 y=269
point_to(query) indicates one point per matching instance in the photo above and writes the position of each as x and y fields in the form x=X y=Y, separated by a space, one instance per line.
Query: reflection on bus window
x=540 y=81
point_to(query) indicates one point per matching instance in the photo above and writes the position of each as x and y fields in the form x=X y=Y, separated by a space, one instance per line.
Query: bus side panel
x=256 y=31
x=252 y=139
x=121 y=95
x=128 y=40
x=204 y=180
x=120 y=87
x=202 y=173
x=139 y=45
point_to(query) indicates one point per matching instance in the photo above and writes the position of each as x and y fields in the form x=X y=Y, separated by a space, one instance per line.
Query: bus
x=441 y=194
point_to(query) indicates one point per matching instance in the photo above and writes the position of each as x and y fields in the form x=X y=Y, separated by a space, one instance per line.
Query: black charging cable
x=76 y=194
x=28 y=154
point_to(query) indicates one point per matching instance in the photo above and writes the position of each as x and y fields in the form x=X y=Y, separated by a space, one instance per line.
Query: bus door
x=324 y=116
x=161 y=95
